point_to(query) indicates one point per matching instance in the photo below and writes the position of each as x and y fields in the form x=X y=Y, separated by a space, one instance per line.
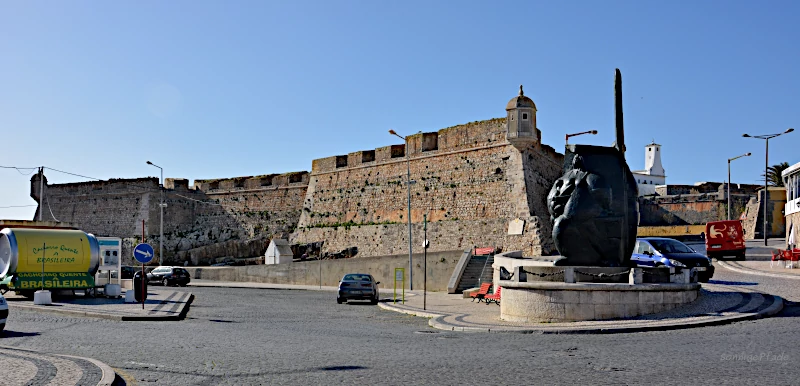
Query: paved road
x=252 y=337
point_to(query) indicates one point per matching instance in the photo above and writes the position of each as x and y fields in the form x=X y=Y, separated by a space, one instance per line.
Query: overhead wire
x=143 y=187
x=20 y=169
x=72 y=174
x=50 y=209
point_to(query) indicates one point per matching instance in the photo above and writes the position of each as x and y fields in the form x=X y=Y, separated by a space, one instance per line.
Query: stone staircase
x=478 y=270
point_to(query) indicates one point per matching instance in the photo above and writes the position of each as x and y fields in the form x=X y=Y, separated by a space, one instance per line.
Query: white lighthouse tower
x=653 y=173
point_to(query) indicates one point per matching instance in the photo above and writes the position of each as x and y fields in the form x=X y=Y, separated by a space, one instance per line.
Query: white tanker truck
x=32 y=259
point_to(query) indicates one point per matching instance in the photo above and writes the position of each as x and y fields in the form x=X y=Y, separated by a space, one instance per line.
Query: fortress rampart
x=479 y=184
x=242 y=208
x=467 y=179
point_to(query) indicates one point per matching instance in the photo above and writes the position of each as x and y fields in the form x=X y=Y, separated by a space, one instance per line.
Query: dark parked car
x=168 y=276
x=358 y=286
x=127 y=271
x=657 y=252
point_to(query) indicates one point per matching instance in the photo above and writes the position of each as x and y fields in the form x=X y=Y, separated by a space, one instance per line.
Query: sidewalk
x=716 y=304
x=161 y=304
x=27 y=367
x=762 y=268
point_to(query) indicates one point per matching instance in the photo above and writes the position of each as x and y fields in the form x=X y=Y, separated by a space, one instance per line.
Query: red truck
x=725 y=238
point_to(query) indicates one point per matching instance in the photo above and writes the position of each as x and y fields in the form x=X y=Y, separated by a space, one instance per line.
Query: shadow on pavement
x=725 y=282
x=341 y=368
x=790 y=310
x=17 y=334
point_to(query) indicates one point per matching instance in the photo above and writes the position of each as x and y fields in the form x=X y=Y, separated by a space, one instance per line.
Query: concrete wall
x=440 y=268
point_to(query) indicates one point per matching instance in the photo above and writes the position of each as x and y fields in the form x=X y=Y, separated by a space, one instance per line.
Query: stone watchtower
x=521 y=122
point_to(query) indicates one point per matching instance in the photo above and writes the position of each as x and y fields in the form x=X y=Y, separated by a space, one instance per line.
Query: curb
x=269 y=286
x=180 y=316
x=436 y=321
x=108 y=373
x=52 y=310
x=749 y=271
x=107 y=378
x=119 y=318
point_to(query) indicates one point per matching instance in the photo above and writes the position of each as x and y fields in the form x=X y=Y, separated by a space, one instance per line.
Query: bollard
x=636 y=276
x=42 y=298
x=519 y=274
x=569 y=275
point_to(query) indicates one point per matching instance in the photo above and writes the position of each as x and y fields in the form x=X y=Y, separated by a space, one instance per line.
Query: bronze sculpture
x=593 y=205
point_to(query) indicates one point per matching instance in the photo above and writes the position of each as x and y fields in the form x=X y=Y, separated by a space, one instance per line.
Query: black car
x=168 y=276
x=358 y=286
x=671 y=252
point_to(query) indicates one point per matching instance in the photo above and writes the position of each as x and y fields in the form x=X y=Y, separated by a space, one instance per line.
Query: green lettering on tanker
x=62 y=248
x=65 y=280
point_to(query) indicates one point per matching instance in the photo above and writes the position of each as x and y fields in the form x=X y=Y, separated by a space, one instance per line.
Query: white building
x=653 y=173
x=791 y=180
x=278 y=252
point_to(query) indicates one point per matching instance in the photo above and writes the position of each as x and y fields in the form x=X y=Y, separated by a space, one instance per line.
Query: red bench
x=483 y=291
x=493 y=297
x=777 y=256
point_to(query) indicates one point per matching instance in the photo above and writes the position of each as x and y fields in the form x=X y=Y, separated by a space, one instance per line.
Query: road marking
x=749 y=271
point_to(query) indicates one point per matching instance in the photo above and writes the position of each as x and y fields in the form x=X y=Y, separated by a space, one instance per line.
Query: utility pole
x=41 y=192
x=729 y=181
x=408 y=177
x=161 y=207
x=766 y=138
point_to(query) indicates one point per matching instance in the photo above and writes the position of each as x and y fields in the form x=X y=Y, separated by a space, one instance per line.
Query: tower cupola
x=521 y=129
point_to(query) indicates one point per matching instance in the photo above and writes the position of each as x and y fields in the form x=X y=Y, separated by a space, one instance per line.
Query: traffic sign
x=143 y=253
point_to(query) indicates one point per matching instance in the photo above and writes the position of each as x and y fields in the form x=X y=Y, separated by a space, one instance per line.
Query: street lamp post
x=161 y=207
x=766 y=137
x=408 y=177
x=729 y=180
x=567 y=136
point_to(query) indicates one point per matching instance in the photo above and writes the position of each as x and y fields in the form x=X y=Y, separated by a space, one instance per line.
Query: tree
x=774 y=174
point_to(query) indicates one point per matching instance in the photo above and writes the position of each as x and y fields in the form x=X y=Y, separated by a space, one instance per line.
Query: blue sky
x=222 y=89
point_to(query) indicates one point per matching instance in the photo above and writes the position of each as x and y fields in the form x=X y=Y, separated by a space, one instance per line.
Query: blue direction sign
x=143 y=253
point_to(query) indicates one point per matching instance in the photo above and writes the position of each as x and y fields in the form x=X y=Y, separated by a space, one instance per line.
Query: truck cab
x=725 y=238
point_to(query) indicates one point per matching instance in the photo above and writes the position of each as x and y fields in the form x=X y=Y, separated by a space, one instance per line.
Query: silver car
x=358 y=286
x=3 y=312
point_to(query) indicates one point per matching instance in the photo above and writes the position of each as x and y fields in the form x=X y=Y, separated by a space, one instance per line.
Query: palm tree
x=774 y=174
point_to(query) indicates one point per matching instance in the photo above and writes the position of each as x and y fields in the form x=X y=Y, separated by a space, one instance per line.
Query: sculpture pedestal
x=538 y=291
x=570 y=302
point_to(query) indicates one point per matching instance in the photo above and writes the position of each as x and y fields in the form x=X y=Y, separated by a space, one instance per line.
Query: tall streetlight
x=408 y=177
x=567 y=136
x=766 y=137
x=729 y=180
x=161 y=206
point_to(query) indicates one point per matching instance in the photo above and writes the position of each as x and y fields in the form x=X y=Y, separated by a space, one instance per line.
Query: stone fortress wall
x=468 y=180
x=472 y=181
x=210 y=213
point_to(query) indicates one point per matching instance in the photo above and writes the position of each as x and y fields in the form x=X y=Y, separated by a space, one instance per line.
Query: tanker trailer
x=32 y=259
